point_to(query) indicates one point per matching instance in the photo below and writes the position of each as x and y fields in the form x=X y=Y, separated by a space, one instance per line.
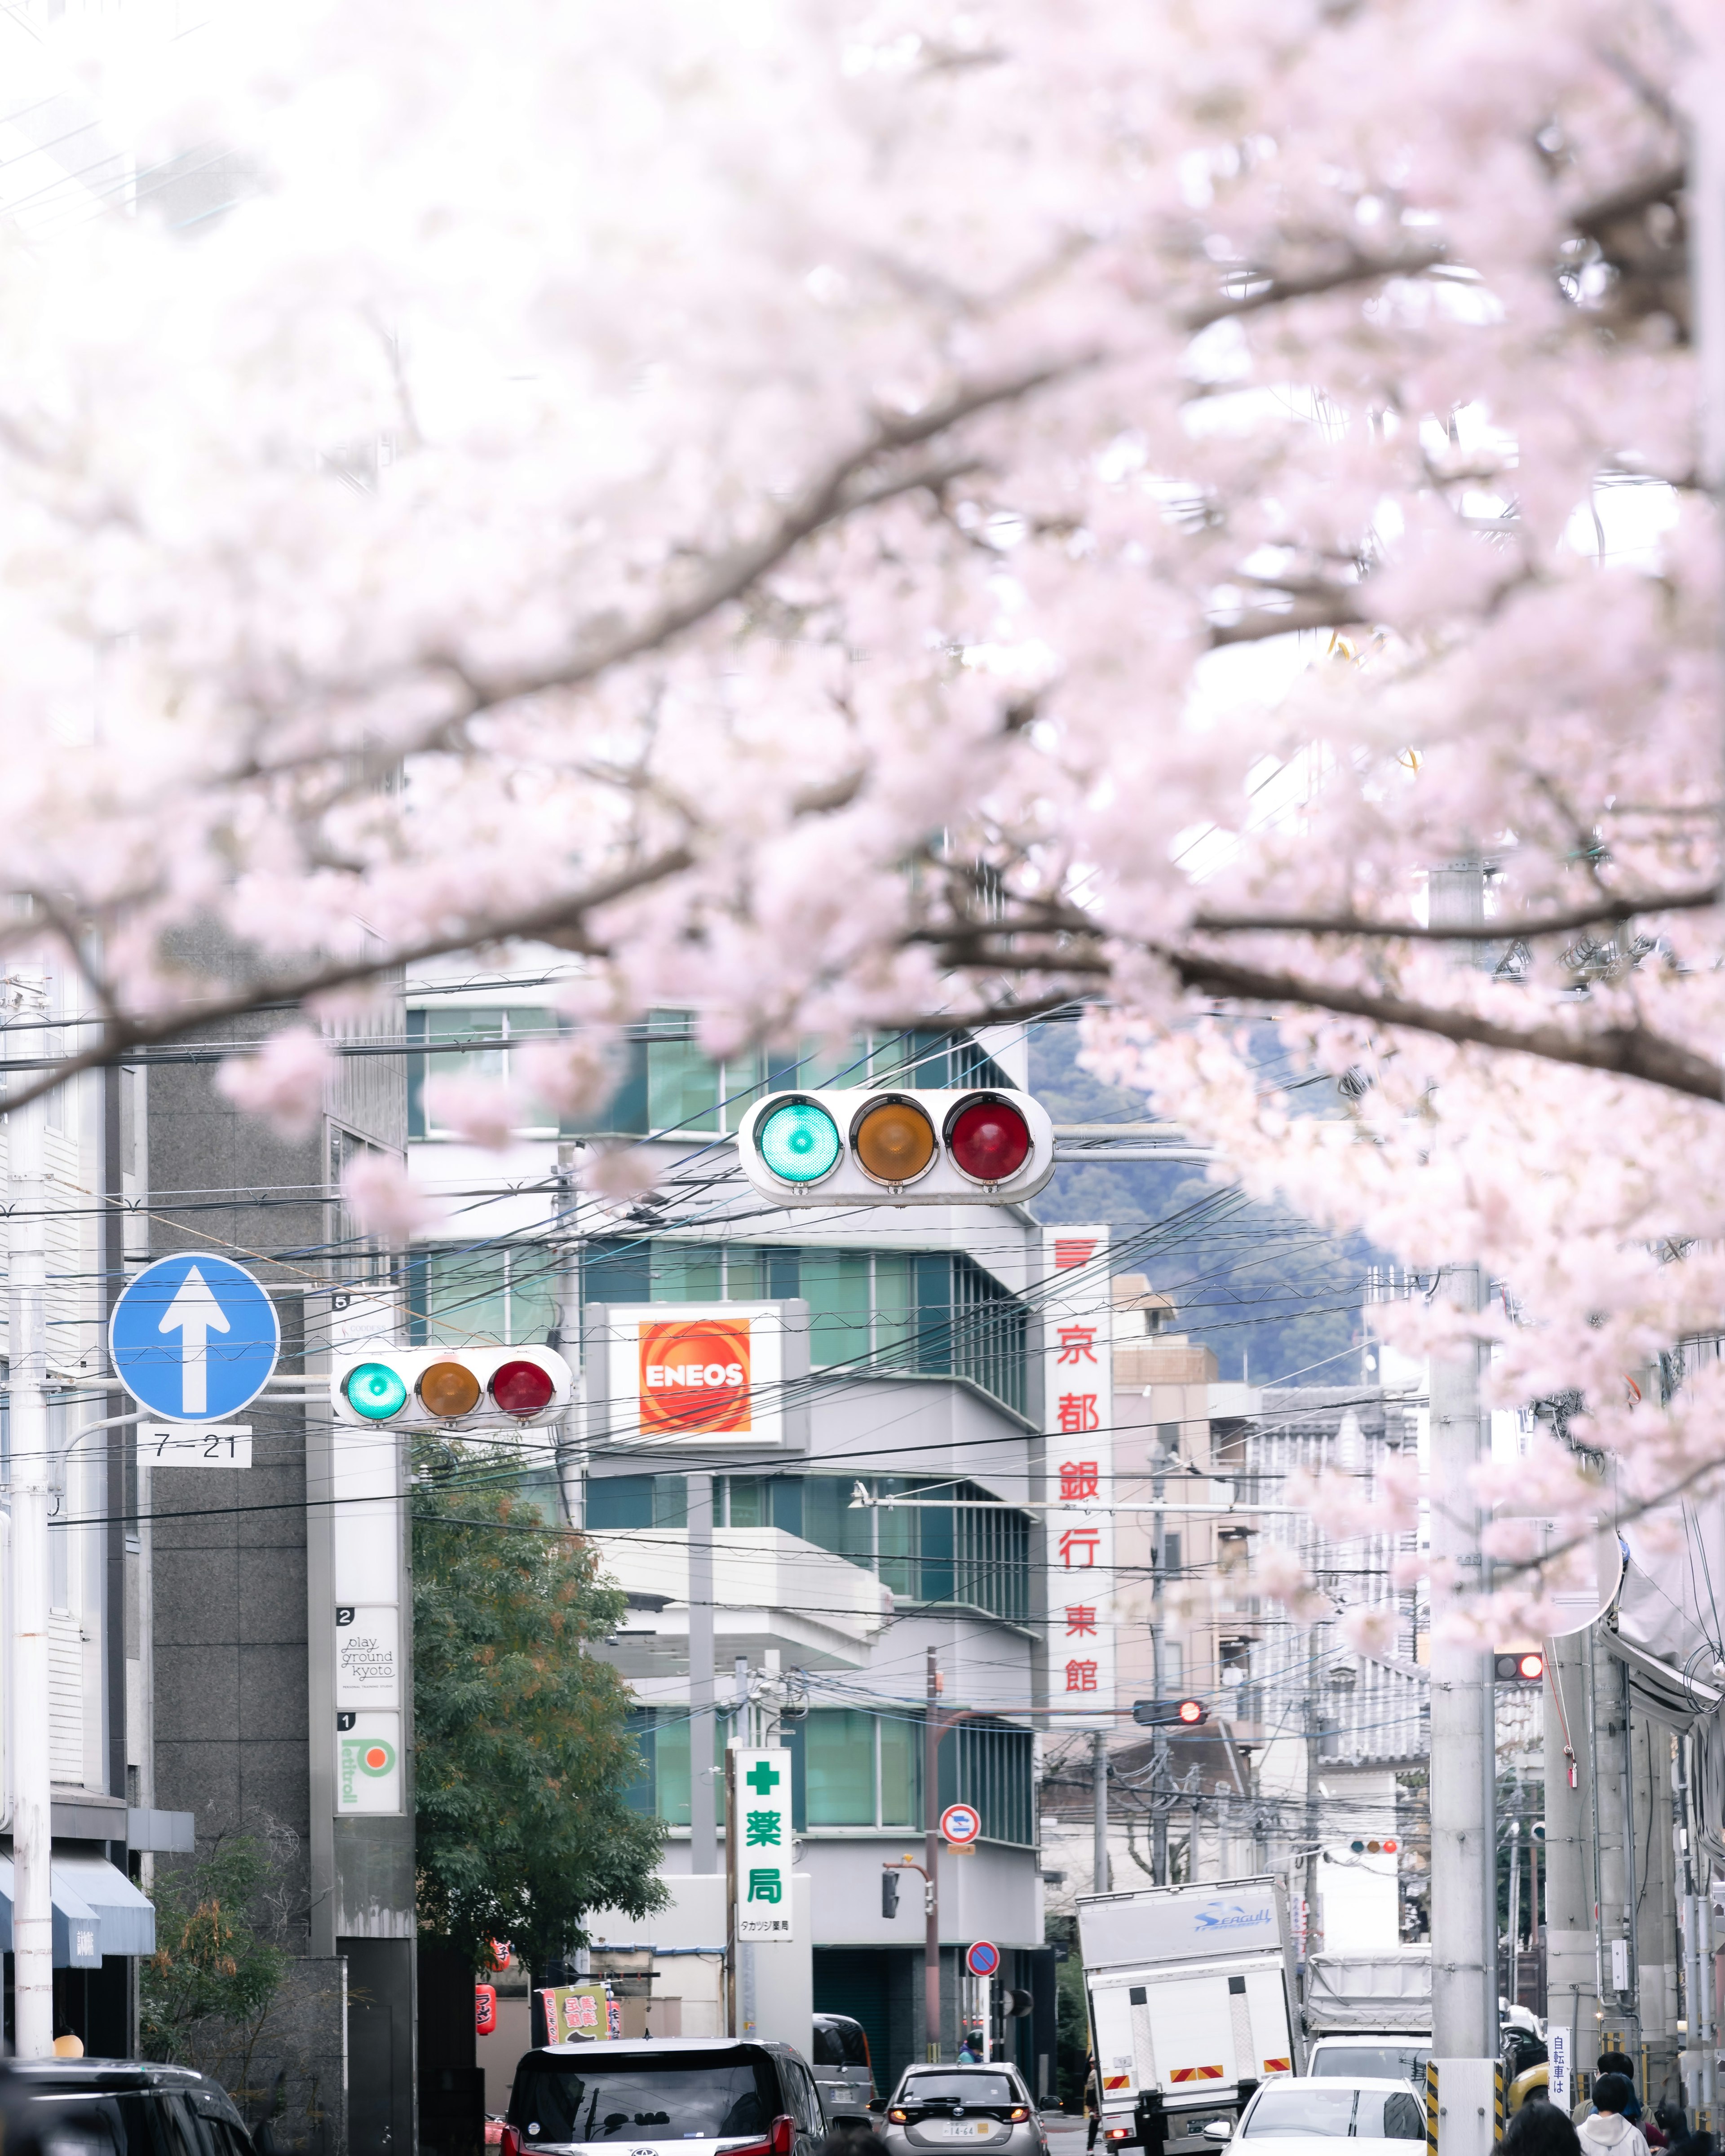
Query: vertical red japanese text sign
x=1078 y=1390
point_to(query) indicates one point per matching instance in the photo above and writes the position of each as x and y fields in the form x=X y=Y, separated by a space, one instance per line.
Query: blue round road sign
x=983 y=1959
x=194 y=1338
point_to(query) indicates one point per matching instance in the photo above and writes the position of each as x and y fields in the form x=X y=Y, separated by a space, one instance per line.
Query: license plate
x=967 y=2129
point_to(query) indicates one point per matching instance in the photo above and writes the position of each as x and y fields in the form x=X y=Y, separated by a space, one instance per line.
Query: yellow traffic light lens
x=448 y=1389
x=893 y=1140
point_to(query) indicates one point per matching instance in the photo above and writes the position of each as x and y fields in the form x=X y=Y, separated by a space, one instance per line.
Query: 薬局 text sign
x=759 y=1812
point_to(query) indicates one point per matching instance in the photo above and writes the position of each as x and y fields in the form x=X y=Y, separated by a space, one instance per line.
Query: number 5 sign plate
x=194 y=1338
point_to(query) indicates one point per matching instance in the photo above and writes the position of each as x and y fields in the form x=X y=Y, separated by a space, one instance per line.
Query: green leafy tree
x=521 y=1747
x=206 y=1993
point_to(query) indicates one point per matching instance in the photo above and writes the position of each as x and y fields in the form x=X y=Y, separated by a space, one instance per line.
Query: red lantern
x=502 y=1955
x=485 y=2009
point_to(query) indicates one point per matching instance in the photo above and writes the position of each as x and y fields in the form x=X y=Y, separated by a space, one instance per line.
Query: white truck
x=1191 y=1992
x=1370 y=2012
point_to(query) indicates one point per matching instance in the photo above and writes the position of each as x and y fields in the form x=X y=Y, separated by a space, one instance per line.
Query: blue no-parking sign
x=194 y=1338
x=983 y=1959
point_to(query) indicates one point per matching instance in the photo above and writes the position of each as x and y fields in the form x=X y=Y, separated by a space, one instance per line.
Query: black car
x=843 y=2072
x=748 y=2099
x=127 y=2108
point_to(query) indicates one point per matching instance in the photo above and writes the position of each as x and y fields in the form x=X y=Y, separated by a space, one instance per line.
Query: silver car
x=843 y=2071
x=944 y=2107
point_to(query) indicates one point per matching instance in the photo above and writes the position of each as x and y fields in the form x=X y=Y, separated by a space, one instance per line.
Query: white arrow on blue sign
x=194 y=1338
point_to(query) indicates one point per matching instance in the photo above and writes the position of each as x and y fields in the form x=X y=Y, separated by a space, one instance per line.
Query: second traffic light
x=849 y=1146
x=889 y=1893
x=1165 y=1713
x=1518 y=1666
x=448 y=1388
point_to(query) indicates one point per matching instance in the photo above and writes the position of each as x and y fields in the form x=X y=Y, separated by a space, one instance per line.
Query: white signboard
x=367 y=1656
x=368 y=1775
x=759 y=1801
x=697 y=1373
x=1557 y=2039
x=195 y=1445
x=1078 y=1395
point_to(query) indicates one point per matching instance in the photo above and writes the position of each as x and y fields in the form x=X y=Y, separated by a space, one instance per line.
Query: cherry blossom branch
x=1598 y=910
x=1627 y=1052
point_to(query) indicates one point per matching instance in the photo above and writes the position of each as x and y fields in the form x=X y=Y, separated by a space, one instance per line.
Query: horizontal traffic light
x=1521 y=1666
x=446 y=1387
x=1166 y=1714
x=849 y=1145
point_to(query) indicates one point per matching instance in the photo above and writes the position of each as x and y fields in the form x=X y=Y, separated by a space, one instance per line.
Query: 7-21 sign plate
x=195 y=1445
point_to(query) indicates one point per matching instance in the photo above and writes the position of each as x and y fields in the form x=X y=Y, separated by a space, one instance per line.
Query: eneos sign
x=695 y=1377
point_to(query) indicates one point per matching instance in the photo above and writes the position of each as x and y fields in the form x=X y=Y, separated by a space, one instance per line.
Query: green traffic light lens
x=375 y=1391
x=798 y=1141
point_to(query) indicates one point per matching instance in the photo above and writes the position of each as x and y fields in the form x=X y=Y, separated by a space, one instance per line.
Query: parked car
x=1373 y=2118
x=975 y=2107
x=128 y=2107
x=749 y=2099
x=843 y=2072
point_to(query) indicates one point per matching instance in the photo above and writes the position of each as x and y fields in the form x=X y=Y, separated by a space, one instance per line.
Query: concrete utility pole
x=1571 y=1984
x=703 y=1796
x=1099 y=1811
x=570 y=1439
x=932 y=1863
x=1160 y=1773
x=1464 y=1852
x=27 y=1320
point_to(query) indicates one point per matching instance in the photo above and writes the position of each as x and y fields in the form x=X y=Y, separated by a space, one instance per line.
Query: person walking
x=1607 y=2132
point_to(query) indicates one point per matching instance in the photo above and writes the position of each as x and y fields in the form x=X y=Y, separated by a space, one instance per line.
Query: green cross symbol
x=763 y=1779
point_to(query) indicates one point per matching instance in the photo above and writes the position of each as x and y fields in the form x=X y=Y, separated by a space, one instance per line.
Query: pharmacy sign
x=761 y=1843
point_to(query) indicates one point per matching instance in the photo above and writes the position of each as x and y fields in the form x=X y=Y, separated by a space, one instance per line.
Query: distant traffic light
x=889 y=1893
x=444 y=1387
x=1164 y=1713
x=849 y=1145
x=1518 y=1666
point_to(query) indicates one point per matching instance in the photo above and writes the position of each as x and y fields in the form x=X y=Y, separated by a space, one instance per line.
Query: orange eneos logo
x=694 y=1376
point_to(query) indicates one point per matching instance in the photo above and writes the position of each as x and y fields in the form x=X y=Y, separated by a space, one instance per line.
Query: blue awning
x=97 y=1911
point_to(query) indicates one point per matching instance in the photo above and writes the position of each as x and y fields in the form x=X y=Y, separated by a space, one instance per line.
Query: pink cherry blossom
x=286 y=1082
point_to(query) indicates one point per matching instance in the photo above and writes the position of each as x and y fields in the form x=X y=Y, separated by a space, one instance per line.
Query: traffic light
x=889 y=1893
x=1163 y=1713
x=1518 y=1666
x=448 y=1387
x=854 y=1145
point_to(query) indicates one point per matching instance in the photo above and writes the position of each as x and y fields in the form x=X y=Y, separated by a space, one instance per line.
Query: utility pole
x=27 y=1343
x=571 y=1449
x=1464 y=1851
x=1159 y=1772
x=931 y=1864
x=1099 y=1811
x=703 y=1797
x=1571 y=1971
x=1314 y=1756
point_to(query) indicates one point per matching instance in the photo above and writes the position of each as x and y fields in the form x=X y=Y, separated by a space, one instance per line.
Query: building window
x=505 y=1295
x=661 y=1736
x=616 y=1501
x=855 y=1766
x=936 y=1312
x=473 y=1041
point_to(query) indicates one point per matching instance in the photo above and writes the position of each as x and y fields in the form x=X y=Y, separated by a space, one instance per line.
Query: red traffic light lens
x=988 y=1139
x=1191 y=1711
x=522 y=1388
x=1531 y=1668
x=1389 y=1848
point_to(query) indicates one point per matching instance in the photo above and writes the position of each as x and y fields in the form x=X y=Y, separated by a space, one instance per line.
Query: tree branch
x=1626 y=1051
x=1506 y=929
x=1356 y=269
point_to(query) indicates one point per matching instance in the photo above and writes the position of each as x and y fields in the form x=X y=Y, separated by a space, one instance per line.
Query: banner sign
x=1078 y=1392
x=574 y=2012
x=758 y=1815
x=678 y=1372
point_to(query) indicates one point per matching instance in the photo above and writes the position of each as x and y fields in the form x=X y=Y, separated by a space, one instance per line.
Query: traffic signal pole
x=932 y=1863
x=27 y=1343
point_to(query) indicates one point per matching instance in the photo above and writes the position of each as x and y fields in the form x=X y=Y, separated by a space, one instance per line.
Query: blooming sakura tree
x=916 y=514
